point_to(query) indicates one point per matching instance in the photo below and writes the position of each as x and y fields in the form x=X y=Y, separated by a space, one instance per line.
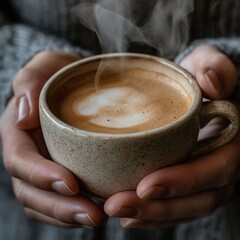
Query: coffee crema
x=131 y=101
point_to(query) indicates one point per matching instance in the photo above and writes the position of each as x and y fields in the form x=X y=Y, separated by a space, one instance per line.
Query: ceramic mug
x=109 y=163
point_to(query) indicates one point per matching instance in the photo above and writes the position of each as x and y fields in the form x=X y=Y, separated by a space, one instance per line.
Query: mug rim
x=195 y=106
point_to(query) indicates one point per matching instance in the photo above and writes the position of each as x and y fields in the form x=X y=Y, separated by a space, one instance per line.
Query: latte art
x=129 y=102
x=117 y=107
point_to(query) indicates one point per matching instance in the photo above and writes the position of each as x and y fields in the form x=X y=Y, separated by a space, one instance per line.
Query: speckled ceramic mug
x=109 y=163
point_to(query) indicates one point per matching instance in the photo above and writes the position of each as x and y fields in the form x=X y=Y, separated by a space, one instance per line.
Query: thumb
x=27 y=87
x=214 y=71
x=29 y=81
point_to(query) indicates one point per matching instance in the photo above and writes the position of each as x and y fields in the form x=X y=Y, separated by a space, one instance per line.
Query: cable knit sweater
x=30 y=26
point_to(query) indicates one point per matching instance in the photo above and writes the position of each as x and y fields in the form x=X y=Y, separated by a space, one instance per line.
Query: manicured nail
x=155 y=192
x=23 y=109
x=127 y=212
x=213 y=81
x=85 y=219
x=63 y=188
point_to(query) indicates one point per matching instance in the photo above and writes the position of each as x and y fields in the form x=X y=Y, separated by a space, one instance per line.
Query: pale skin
x=49 y=193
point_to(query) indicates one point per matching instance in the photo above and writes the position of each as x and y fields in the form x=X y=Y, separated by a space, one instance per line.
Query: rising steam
x=161 y=25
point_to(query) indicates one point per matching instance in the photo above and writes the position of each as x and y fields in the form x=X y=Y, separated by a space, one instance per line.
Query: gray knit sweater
x=30 y=26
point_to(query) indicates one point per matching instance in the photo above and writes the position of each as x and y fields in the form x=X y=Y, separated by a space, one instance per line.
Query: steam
x=157 y=25
x=113 y=30
x=162 y=25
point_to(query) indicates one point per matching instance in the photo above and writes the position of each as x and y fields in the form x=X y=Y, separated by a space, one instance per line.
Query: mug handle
x=211 y=110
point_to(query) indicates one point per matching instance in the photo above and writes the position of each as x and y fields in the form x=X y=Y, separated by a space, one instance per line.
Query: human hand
x=47 y=191
x=194 y=189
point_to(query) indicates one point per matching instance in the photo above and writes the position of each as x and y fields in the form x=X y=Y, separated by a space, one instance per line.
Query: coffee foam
x=116 y=107
x=132 y=101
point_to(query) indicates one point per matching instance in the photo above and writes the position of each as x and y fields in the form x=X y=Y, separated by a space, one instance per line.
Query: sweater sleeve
x=18 y=44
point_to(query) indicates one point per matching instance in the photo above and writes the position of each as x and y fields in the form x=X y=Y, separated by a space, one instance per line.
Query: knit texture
x=30 y=26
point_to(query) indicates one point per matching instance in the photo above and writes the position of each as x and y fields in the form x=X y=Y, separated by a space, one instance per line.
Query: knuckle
x=32 y=176
x=9 y=166
x=22 y=75
x=230 y=172
x=32 y=214
x=26 y=76
x=219 y=59
x=62 y=57
x=19 y=191
x=186 y=183
x=28 y=213
x=39 y=175
x=18 y=166
x=36 y=177
x=190 y=185
x=44 y=55
x=11 y=162
x=211 y=204
x=162 y=213
x=57 y=213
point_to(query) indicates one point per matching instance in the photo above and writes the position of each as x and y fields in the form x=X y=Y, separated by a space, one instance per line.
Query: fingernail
x=23 y=109
x=63 y=188
x=85 y=219
x=127 y=212
x=155 y=192
x=213 y=81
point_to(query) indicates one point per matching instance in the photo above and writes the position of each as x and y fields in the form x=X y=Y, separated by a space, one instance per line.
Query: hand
x=47 y=191
x=184 y=192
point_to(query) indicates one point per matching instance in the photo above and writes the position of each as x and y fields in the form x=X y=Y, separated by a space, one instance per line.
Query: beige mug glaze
x=109 y=163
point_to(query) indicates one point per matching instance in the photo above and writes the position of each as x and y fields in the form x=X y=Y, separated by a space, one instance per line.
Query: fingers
x=179 y=193
x=23 y=161
x=30 y=80
x=215 y=72
x=34 y=215
x=215 y=170
x=52 y=208
x=38 y=181
x=165 y=211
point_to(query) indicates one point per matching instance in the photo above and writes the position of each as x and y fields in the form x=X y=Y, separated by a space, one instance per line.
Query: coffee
x=134 y=100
